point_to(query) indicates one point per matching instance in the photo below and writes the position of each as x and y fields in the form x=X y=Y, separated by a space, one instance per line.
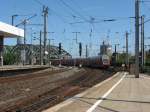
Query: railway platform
x=16 y=67
x=14 y=70
x=120 y=93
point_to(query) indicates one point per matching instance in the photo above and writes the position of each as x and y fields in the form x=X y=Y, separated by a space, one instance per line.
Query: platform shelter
x=8 y=31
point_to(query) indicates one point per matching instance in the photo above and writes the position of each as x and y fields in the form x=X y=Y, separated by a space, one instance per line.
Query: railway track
x=27 y=76
x=50 y=98
x=14 y=71
x=35 y=106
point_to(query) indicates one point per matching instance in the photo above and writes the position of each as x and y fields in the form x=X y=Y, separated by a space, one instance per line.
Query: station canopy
x=7 y=30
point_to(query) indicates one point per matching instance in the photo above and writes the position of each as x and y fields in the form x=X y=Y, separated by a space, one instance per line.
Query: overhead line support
x=76 y=33
x=142 y=42
x=136 y=38
x=45 y=16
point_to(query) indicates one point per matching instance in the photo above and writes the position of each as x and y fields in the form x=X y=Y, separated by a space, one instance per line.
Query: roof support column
x=1 y=50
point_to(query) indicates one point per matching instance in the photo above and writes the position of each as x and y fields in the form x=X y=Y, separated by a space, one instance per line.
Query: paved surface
x=121 y=93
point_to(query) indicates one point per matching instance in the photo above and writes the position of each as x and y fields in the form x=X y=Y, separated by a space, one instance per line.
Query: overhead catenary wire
x=78 y=14
x=78 y=7
x=73 y=10
x=54 y=12
x=60 y=17
x=67 y=11
x=39 y=2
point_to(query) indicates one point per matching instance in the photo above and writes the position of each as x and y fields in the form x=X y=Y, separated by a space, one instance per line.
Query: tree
x=9 y=57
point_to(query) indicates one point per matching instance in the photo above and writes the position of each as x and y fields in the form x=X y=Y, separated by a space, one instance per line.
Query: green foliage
x=9 y=57
x=121 y=58
x=147 y=62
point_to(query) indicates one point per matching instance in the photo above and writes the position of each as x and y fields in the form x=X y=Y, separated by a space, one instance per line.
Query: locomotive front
x=105 y=60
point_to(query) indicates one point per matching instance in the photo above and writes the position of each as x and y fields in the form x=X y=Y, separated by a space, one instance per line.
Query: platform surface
x=120 y=93
x=17 y=67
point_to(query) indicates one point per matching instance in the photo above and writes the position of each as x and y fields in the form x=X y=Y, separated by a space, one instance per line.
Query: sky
x=67 y=16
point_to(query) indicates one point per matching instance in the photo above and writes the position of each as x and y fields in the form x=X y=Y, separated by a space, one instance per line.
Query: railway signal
x=80 y=49
x=86 y=53
x=59 y=48
x=59 y=54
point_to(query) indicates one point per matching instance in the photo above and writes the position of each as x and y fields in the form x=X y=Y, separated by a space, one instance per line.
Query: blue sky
x=61 y=16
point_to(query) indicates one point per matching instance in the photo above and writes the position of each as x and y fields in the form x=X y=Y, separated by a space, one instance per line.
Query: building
x=105 y=49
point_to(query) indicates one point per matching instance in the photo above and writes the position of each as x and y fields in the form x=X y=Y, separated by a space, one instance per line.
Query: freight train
x=102 y=61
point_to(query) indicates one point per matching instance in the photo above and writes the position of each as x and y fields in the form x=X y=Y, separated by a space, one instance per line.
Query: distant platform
x=21 y=67
x=120 y=93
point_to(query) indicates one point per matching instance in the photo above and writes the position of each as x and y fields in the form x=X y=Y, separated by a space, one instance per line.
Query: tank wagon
x=102 y=61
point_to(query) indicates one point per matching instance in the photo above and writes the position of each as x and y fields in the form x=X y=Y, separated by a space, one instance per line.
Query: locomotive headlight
x=105 y=59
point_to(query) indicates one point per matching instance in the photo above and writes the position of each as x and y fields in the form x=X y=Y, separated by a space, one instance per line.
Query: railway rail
x=25 y=76
x=37 y=103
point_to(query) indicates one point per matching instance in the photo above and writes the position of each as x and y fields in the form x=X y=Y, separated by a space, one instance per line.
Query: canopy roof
x=7 y=30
